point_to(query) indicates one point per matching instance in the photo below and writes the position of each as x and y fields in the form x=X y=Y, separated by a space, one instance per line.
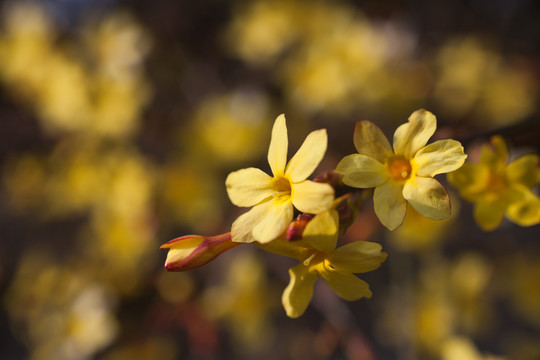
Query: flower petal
x=494 y=154
x=296 y=249
x=414 y=135
x=489 y=213
x=242 y=227
x=470 y=179
x=439 y=157
x=274 y=221
x=321 y=232
x=346 y=285
x=312 y=197
x=298 y=293
x=279 y=143
x=361 y=171
x=369 y=140
x=524 y=170
x=525 y=212
x=358 y=257
x=248 y=187
x=308 y=157
x=389 y=204
x=428 y=197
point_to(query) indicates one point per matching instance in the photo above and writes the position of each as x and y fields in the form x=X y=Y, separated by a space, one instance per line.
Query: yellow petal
x=414 y=135
x=346 y=285
x=428 y=197
x=369 y=140
x=489 y=213
x=312 y=197
x=248 y=187
x=308 y=157
x=470 y=179
x=242 y=227
x=358 y=257
x=525 y=212
x=321 y=232
x=277 y=152
x=494 y=154
x=524 y=170
x=439 y=157
x=362 y=171
x=296 y=249
x=389 y=204
x=274 y=221
x=298 y=293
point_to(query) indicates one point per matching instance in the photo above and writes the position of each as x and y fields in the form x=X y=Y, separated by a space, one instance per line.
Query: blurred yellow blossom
x=201 y=206
x=63 y=312
x=273 y=198
x=461 y=348
x=244 y=302
x=334 y=60
x=498 y=187
x=104 y=99
x=261 y=30
x=405 y=174
x=318 y=256
x=473 y=78
x=239 y=117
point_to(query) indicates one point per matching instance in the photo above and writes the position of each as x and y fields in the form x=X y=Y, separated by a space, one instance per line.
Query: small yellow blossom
x=404 y=175
x=497 y=187
x=318 y=256
x=273 y=198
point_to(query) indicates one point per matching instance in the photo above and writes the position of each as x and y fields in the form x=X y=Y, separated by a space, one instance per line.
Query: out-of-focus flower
x=262 y=30
x=318 y=256
x=105 y=98
x=63 y=312
x=238 y=117
x=404 y=175
x=199 y=208
x=332 y=61
x=461 y=348
x=244 y=302
x=474 y=79
x=498 y=187
x=273 y=198
x=192 y=251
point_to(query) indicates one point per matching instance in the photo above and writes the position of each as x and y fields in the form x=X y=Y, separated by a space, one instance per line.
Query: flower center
x=282 y=188
x=314 y=258
x=400 y=168
x=496 y=183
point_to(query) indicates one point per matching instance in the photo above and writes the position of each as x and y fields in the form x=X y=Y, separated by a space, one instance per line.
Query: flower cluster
x=402 y=176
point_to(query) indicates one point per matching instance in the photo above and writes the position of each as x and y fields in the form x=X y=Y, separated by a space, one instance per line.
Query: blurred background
x=119 y=121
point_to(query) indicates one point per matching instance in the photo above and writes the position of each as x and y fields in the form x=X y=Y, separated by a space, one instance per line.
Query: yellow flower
x=497 y=187
x=405 y=174
x=273 y=198
x=318 y=256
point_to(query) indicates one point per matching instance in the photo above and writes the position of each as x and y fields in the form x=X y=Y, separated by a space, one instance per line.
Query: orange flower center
x=400 y=168
x=496 y=183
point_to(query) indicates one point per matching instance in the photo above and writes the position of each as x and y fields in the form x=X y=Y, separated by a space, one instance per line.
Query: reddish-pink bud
x=192 y=251
x=296 y=228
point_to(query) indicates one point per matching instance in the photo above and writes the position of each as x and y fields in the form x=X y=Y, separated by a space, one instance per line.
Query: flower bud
x=296 y=228
x=192 y=251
